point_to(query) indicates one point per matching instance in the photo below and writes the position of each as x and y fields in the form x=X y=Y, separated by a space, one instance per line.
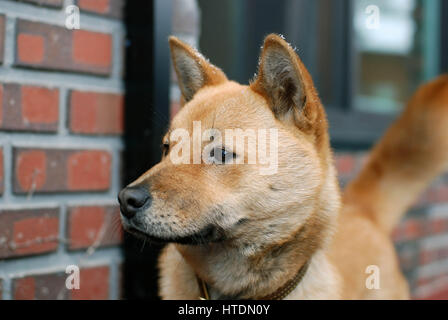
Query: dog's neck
x=320 y=276
x=280 y=294
x=231 y=272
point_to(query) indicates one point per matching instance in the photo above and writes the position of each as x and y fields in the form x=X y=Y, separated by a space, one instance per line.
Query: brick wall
x=61 y=121
x=421 y=238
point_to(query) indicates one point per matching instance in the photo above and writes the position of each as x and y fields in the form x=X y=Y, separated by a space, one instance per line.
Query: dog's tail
x=411 y=154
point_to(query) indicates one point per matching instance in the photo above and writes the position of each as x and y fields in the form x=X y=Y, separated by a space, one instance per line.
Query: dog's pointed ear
x=284 y=81
x=193 y=70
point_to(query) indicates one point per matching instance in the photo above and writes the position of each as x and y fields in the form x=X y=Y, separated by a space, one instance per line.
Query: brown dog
x=237 y=233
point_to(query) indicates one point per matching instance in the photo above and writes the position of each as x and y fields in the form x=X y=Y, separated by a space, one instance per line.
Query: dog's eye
x=221 y=155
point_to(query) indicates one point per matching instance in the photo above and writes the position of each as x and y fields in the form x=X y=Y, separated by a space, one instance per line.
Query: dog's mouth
x=208 y=234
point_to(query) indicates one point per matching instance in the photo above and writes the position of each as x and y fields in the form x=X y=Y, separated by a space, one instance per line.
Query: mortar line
x=7 y=173
x=49 y=200
x=62 y=79
x=9 y=42
x=70 y=142
x=62 y=228
x=63 y=109
x=7 y=288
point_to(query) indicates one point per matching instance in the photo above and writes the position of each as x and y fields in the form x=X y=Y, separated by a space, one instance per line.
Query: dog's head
x=241 y=163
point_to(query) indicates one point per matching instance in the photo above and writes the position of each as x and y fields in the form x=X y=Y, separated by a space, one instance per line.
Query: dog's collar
x=279 y=294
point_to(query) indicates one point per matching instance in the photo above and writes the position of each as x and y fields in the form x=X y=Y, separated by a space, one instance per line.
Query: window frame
x=444 y=36
x=352 y=129
x=147 y=86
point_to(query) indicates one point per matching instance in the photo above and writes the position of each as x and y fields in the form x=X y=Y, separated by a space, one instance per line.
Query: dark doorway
x=147 y=83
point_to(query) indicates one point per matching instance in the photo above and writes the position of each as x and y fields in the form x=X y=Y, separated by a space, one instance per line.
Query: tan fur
x=273 y=224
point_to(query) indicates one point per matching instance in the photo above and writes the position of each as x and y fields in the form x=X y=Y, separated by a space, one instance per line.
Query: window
x=364 y=72
x=395 y=56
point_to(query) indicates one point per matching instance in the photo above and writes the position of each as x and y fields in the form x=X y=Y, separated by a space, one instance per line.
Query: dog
x=234 y=233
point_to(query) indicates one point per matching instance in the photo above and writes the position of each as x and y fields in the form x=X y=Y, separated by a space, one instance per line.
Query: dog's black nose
x=132 y=199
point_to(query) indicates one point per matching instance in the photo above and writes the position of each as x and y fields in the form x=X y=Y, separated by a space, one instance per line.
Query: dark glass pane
x=233 y=32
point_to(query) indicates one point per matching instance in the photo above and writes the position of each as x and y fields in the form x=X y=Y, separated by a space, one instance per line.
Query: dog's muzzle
x=132 y=200
x=135 y=203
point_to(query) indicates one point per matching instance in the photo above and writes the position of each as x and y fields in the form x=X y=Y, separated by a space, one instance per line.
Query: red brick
x=50 y=47
x=1 y=171
x=174 y=108
x=438 y=226
x=92 y=48
x=361 y=161
x=441 y=294
x=98 y=6
x=89 y=170
x=427 y=256
x=35 y=235
x=96 y=113
x=61 y=170
x=28 y=231
x=424 y=281
x=87 y=224
x=31 y=170
x=108 y=8
x=2 y=37
x=30 y=48
x=40 y=105
x=440 y=194
x=412 y=229
x=29 y=108
x=345 y=164
x=94 y=284
x=24 y=289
